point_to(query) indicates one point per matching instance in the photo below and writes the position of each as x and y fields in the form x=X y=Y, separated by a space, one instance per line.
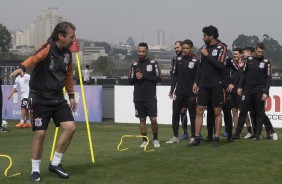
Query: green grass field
x=246 y=161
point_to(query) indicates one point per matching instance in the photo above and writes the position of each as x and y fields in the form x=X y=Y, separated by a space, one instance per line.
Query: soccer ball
x=4 y=123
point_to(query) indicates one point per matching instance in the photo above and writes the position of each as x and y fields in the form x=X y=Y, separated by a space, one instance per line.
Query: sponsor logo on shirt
x=261 y=65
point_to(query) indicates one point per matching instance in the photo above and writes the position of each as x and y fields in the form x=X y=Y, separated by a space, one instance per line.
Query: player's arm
x=221 y=59
x=16 y=84
x=11 y=93
x=268 y=77
x=39 y=55
x=131 y=75
x=173 y=75
x=197 y=77
x=228 y=85
x=70 y=86
x=242 y=78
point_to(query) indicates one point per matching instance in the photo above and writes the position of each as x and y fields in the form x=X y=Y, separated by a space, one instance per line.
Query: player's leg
x=62 y=117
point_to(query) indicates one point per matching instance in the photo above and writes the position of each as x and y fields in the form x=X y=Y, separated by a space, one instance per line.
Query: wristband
x=21 y=67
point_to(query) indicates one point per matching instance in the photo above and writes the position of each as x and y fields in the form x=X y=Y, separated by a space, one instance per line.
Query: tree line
x=106 y=64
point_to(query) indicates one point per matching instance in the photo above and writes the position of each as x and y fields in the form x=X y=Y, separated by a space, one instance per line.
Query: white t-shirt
x=86 y=75
x=23 y=83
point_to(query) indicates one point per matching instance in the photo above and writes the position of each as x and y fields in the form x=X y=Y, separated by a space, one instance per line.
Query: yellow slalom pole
x=85 y=109
x=54 y=143
x=10 y=165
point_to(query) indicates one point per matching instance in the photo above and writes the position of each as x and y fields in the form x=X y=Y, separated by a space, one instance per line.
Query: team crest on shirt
x=243 y=97
x=261 y=65
x=194 y=60
x=250 y=58
x=265 y=60
x=67 y=58
x=149 y=68
x=179 y=58
x=214 y=52
x=135 y=63
x=152 y=61
x=38 y=122
x=191 y=65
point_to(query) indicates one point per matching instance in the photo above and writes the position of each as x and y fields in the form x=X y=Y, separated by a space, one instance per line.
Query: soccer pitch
x=246 y=161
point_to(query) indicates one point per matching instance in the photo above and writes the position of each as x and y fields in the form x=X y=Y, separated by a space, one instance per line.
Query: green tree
x=245 y=41
x=133 y=56
x=273 y=50
x=5 y=38
x=116 y=51
x=130 y=41
x=104 y=65
x=105 y=45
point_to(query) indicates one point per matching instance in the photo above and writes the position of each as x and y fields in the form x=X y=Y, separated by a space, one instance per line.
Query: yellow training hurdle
x=134 y=136
x=10 y=165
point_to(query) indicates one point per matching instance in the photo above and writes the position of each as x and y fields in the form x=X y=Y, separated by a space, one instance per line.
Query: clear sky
x=115 y=20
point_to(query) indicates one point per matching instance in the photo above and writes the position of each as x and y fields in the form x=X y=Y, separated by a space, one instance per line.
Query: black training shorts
x=215 y=95
x=41 y=114
x=25 y=103
x=145 y=108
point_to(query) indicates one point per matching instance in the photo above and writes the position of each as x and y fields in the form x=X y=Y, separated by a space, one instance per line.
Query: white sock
x=22 y=121
x=35 y=165
x=57 y=158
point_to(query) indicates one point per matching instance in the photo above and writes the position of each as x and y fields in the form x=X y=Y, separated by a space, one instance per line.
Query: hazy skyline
x=113 y=21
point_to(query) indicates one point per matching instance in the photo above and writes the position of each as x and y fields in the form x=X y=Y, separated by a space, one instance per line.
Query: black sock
x=144 y=138
x=155 y=136
x=249 y=129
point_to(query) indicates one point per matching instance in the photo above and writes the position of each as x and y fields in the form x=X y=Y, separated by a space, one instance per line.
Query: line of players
x=197 y=85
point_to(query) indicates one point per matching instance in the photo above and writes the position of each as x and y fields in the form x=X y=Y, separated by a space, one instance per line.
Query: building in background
x=160 y=38
x=39 y=30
